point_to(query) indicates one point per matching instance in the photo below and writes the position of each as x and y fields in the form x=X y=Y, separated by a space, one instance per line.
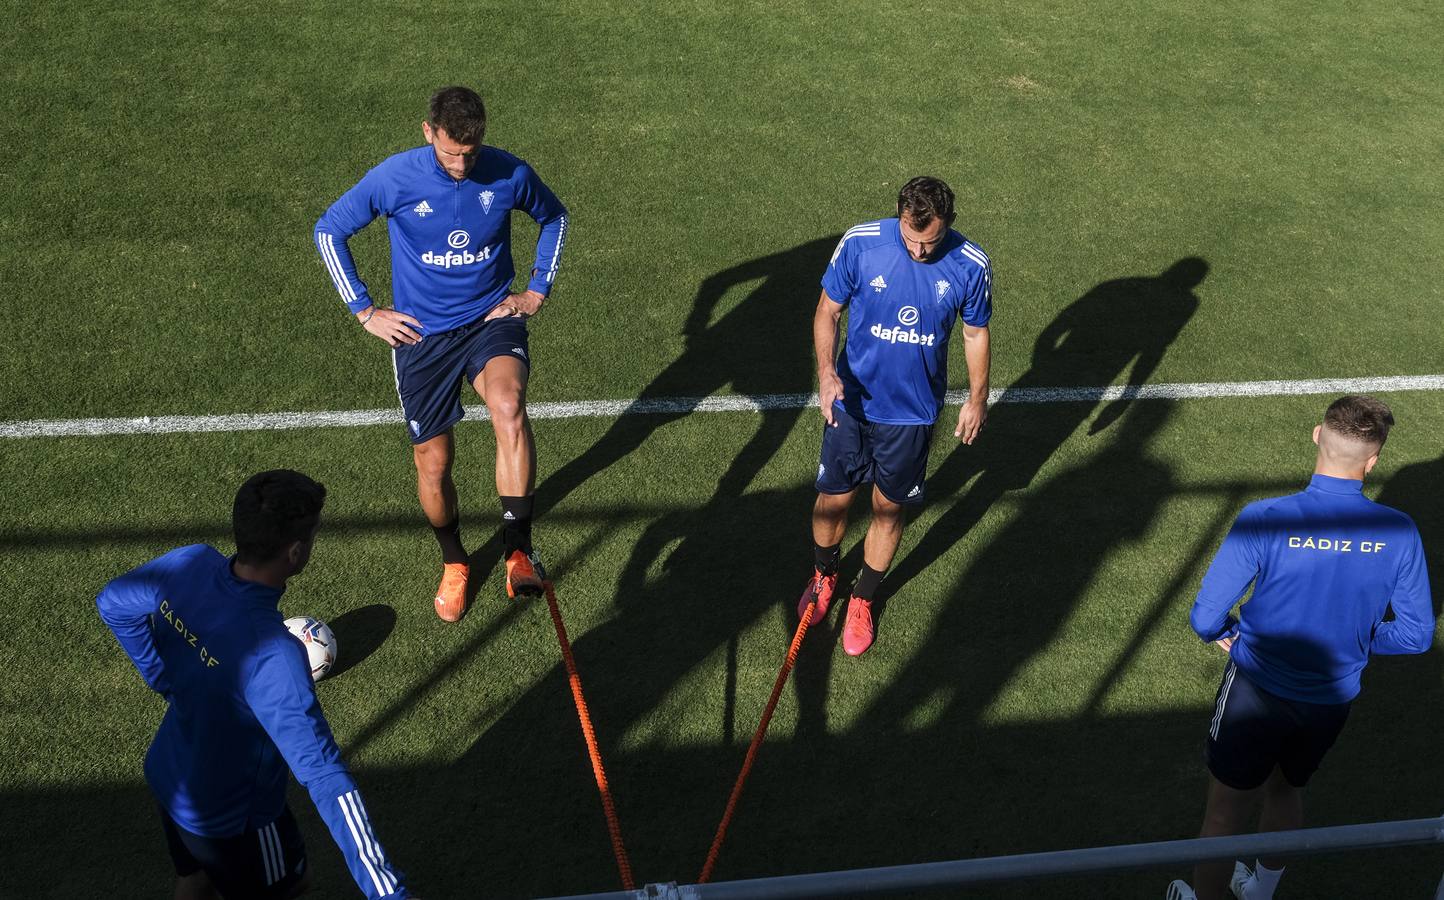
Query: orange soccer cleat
x=451 y=595
x=524 y=574
x=821 y=586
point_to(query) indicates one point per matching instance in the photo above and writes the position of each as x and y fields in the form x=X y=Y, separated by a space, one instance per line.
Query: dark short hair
x=272 y=511
x=923 y=199
x=459 y=112
x=1361 y=418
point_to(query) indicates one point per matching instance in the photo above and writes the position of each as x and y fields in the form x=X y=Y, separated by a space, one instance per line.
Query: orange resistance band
x=624 y=866
x=756 y=743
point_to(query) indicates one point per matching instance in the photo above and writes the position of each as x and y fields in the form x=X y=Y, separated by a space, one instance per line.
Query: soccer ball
x=320 y=643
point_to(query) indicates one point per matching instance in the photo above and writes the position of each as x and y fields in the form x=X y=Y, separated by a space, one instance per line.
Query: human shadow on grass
x=762 y=346
x=1121 y=326
x=1023 y=587
x=1415 y=681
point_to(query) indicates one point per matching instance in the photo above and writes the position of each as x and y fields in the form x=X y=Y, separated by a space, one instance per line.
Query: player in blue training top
x=206 y=634
x=1327 y=566
x=904 y=282
x=448 y=209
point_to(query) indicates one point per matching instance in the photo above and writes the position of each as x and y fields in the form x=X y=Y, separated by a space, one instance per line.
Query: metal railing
x=1093 y=860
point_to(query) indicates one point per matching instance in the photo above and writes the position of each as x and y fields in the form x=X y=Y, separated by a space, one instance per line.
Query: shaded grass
x=991 y=718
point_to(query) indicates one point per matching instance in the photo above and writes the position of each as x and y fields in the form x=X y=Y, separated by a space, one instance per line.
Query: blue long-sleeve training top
x=450 y=240
x=242 y=707
x=1325 y=564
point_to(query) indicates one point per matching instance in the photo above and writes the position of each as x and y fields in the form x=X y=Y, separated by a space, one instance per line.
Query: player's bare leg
x=1227 y=811
x=437 y=492
x=829 y=523
x=1283 y=810
x=502 y=386
x=829 y=518
x=434 y=486
x=884 y=532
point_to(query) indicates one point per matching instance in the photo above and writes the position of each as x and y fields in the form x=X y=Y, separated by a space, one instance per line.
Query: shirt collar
x=1331 y=485
x=252 y=590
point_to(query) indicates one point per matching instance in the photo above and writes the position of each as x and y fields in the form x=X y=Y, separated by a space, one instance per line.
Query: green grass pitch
x=1035 y=685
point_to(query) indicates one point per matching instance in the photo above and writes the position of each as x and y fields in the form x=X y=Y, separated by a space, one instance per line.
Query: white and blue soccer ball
x=320 y=643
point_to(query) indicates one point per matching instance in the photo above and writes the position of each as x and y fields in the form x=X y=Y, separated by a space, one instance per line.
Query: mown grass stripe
x=686 y=405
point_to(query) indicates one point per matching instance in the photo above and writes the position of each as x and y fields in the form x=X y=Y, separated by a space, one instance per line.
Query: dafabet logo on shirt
x=904 y=333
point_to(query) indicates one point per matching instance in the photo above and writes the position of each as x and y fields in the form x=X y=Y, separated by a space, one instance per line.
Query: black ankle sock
x=826 y=558
x=516 y=523
x=867 y=582
x=449 y=537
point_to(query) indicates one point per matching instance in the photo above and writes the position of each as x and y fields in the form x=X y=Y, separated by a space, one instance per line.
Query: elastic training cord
x=756 y=742
x=624 y=866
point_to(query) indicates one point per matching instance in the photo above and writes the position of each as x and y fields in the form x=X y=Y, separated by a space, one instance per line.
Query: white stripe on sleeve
x=378 y=854
x=975 y=255
x=354 y=825
x=556 y=254
x=859 y=231
x=325 y=242
x=371 y=854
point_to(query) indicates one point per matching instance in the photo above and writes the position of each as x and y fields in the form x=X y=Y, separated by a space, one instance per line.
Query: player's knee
x=508 y=412
x=885 y=509
x=433 y=463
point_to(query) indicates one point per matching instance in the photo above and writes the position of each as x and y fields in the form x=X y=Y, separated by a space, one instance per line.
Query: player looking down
x=904 y=282
x=1326 y=565
x=206 y=634
x=454 y=318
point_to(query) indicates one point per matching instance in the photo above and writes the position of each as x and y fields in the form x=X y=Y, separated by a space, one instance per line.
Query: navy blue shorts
x=430 y=373
x=893 y=457
x=265 y=862
x=1252 y=731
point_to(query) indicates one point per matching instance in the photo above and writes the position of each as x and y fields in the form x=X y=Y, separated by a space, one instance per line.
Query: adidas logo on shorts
x=519 y=352
x=917 y=489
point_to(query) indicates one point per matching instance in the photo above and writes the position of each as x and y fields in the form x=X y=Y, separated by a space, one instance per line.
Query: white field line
x=684 y=405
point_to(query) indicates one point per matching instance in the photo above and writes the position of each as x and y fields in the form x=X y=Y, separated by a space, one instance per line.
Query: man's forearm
x=977 y=348
x=824 y=341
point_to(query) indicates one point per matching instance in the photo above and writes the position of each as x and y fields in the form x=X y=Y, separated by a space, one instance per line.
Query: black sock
x=516 y=523
x=867 y=582
x=449 y=537
x=826 y=558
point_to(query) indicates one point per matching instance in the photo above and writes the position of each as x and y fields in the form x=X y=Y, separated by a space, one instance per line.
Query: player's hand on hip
x=528 y=303
x=525 y=305
x=1224 y=644
x=829 y=391
x=970 y=420
x=395 y=328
